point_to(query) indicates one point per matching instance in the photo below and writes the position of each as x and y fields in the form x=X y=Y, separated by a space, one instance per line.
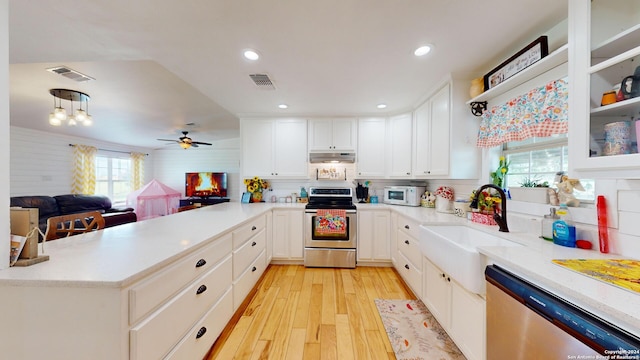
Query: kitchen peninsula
x=168 y=286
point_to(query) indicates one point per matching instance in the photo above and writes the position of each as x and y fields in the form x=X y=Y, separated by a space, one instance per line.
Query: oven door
x=316 y=238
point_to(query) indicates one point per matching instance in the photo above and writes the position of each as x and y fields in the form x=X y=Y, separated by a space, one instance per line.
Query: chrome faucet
x=501 y=218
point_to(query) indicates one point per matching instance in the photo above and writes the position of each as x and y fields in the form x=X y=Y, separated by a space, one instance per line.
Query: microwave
x=403 y=195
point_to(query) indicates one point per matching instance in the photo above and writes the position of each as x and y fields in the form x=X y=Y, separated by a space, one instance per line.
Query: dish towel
x=331 y=221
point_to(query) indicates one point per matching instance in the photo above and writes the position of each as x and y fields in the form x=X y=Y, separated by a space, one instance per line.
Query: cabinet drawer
x=246 y=231
x=152 y=292
x=197 y=342
x=244 y=256
x=410 y=226
x=410 y=248
x=158 y=333
x=410 y=273
x=247 y=280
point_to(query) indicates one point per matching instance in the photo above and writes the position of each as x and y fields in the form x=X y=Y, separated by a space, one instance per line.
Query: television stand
x=202 y=201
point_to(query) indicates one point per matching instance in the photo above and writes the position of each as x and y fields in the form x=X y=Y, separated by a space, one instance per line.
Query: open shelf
x=629 y=107
x=617 y=44
x=545 y=64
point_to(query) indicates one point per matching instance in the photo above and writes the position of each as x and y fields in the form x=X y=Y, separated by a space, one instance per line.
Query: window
x=540 y=159
x=113 y=175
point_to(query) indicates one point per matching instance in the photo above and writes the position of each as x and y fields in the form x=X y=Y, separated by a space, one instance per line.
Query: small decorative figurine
x=565 y=191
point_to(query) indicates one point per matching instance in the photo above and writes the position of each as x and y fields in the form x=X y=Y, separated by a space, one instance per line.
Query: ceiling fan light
x=60 y=113
x=53 y=120
x=185 y=145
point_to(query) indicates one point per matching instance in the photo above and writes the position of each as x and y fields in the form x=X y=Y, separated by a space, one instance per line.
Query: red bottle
x=603 y=229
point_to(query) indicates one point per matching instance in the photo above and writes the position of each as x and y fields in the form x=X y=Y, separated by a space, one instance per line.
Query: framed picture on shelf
x=246 y=198
x=524 y=58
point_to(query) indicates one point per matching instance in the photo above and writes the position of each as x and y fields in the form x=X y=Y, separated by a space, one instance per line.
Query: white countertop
x=121 y=255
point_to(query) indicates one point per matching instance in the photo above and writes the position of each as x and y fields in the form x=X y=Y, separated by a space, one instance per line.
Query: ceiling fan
x=185 y=142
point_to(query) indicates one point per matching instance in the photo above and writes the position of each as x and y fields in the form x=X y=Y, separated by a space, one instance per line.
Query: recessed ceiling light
x=251 y=55
x=283 y=106
x=382 y=106
x=423 y=50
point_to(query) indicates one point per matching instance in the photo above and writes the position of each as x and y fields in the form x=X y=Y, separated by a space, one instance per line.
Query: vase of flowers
x=255 y=186
x=444 y=199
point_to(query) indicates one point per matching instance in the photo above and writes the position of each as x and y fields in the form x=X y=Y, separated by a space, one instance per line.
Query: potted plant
x=531 y=190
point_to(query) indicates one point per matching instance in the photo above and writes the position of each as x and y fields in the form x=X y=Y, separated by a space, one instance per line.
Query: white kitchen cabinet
x=288 y=236
x=445 y=135
x=274 y=148
x=603 y=36
x=400 y=135
x=371 y=148
x=461 y=313
x=432 y=120
x=373 y=236
x=332 y=135
x=405 y=242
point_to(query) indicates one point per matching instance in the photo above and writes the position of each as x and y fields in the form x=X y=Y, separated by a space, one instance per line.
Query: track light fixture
x=59 y=113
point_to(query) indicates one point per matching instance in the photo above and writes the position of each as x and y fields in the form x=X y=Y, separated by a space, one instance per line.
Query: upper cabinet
x=274 y=148
x=445 y=135
x=605 y=38
x=371 y=147
x=332 y=135
x=400 y=134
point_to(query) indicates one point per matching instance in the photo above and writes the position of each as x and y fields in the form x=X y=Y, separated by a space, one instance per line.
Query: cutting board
x=619 y=272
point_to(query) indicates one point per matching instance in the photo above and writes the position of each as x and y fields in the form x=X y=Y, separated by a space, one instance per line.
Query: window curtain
x=84 y=170
x=541 y=112
x=137 y=170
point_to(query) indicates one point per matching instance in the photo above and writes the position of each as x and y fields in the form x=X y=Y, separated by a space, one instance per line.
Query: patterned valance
x=541 y=112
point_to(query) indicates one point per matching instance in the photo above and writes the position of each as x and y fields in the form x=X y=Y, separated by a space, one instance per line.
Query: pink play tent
x=153 y=200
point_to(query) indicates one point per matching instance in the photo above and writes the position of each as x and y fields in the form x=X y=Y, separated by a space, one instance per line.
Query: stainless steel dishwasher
x=527 y=322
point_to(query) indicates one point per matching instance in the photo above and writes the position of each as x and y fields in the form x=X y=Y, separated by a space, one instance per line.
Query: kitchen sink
x=454 y=249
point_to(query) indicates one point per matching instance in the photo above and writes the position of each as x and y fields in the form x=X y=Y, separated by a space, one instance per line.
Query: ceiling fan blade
x=168 y=140
x=194 y=144
x=200 y=143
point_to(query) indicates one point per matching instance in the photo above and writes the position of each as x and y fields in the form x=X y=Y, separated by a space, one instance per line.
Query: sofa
x=49 y=206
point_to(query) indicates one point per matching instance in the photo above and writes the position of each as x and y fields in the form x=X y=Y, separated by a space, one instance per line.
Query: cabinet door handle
x=254 y=269
x=254 y=243
x=201 y=332
x=406 y=266
x=201 y=263
x=443 y=275
x=253 y=228
x=406 y=242
x=448 y=279
x=408 y=173
x=406 y=227
x=201 y=289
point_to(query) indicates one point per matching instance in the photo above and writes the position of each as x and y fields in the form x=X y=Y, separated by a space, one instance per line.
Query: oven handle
x=315 y=211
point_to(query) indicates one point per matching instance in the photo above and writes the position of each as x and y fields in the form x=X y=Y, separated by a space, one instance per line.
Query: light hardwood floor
x=313 y=313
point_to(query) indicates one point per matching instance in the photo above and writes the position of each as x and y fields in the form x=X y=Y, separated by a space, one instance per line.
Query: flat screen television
x=205 y=184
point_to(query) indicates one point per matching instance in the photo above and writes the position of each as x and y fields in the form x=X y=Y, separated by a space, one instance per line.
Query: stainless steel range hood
x=321 y=157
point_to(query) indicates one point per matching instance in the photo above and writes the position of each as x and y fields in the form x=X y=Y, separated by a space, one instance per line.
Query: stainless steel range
x=330 y=228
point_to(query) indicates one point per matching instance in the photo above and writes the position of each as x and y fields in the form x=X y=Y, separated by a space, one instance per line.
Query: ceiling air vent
x=70 y=73
x=262 y=81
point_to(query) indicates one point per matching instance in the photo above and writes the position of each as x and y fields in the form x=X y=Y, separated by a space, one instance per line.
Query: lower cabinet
x=460 y=312
x=288 y=234
x=374 y=236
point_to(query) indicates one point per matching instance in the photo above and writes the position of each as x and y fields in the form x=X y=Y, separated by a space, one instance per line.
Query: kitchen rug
x=618 y=272
x=414 y=333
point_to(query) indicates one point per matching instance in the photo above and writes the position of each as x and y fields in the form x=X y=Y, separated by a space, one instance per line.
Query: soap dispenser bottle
x=547 y=224
x=564 y=232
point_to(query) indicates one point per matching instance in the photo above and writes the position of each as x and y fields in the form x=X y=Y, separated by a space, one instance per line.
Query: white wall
x=41 y=162
x=4 y=129
x=172 y=163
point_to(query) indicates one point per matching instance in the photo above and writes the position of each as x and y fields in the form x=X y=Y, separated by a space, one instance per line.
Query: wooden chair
x=67 y=225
